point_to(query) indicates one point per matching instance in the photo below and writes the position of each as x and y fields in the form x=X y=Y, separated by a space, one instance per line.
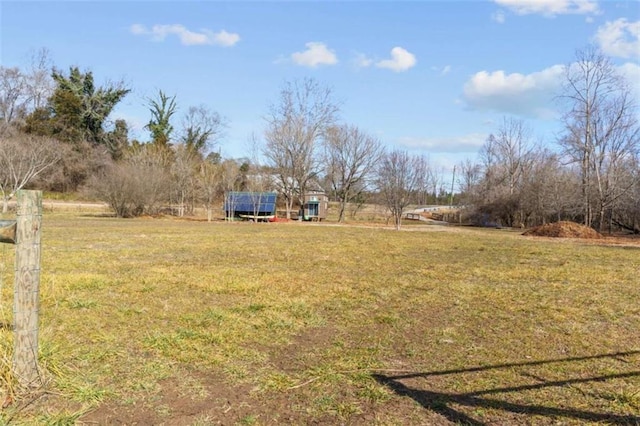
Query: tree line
x=590 y=174
x=56 y=134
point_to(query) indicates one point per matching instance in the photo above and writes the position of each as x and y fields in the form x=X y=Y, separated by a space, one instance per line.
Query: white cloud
x=442 y=70
x=498 y=17
x=138 y=29
x=619 y=38
x=401 y=60
x=551 y=8
x=526 y=95
x=316 y=54
x=631 y=72
x=362 y=61
x=225 y=38
x=460 y=144
x=187 y=37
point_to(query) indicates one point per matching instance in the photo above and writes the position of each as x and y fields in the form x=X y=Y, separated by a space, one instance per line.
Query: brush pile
x=563 y=229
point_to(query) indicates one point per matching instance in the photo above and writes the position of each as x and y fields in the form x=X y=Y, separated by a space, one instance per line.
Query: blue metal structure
x=250 y=205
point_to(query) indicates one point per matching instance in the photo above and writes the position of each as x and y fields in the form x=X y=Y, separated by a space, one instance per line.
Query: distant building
x=315 y=206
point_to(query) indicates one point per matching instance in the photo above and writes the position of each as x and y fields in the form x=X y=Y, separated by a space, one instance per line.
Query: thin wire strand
x=3 y=268
x=3 y=271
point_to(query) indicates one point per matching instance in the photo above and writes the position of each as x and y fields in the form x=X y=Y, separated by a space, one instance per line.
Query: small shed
x=315 y=206
x=250 y=205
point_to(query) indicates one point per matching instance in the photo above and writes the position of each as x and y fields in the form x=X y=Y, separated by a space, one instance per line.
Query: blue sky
x=432 y=77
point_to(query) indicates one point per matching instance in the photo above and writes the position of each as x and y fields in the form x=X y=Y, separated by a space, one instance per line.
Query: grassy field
x=154 y=321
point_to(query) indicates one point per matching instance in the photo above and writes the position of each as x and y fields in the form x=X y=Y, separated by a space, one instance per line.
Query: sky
x=429 y=77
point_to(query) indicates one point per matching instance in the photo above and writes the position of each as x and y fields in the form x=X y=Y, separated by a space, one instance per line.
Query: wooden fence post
x=26 y=288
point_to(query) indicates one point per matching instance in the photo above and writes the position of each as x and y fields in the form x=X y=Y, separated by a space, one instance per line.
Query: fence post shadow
x=441 y=402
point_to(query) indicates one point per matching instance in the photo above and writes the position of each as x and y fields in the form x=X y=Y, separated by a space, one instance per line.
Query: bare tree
x=507 y=159
x=548 y=191
x=201 y=128
x=294 y=126
x=601 y=129
x=22 y=159
x=429 y=180
x=468 y=180
x=397 y=179
x=24 y=91
x=13 y=94
x=136 y=185
x=39 y=82
x=627 y=213
x=153 y=177
x=258 y=178
x=350 y=157
x=115 y=185
x=618 y=135
x=231 y=182
x=209 y=187
x=183 y=170
x=513 y=149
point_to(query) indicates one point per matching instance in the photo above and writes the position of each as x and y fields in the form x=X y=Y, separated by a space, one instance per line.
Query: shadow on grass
x=440 y=402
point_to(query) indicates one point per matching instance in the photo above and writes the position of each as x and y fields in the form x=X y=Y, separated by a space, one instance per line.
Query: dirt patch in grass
x=196 y=398
x=297 y=354
x=563 y=229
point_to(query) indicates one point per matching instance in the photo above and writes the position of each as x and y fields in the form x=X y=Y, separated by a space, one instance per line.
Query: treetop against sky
x=432 y=77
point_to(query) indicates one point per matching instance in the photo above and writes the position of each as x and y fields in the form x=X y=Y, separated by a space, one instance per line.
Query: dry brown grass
x=184 y=322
